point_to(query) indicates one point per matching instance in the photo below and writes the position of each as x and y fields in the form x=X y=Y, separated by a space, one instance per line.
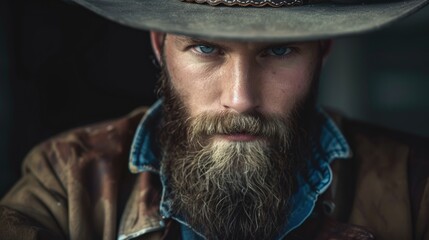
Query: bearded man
x=236 y=148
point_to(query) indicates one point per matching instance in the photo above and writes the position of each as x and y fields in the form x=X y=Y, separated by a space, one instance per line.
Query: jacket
x=77 y=186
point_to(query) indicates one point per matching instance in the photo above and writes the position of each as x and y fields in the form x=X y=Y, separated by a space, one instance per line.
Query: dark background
x=62 y=66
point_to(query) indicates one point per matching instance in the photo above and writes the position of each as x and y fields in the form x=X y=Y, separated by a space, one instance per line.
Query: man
x=236 y=148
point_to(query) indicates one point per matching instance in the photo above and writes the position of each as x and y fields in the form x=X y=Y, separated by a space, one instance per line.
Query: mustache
x=226 y=122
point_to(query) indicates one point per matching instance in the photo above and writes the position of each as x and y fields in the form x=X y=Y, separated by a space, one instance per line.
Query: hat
x=255 y=20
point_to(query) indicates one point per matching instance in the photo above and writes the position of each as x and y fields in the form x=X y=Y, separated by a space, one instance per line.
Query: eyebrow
x=184 y=40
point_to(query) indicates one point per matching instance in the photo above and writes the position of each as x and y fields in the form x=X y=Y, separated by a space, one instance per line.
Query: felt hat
x=255 y=20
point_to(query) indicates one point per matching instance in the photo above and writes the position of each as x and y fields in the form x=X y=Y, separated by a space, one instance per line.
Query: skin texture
x=241 y=77
x=219 y=95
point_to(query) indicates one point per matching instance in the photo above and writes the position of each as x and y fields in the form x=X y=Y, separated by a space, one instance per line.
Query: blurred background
x=62 y=66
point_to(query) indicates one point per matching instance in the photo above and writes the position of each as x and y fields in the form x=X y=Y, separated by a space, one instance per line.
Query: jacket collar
x=141 y=214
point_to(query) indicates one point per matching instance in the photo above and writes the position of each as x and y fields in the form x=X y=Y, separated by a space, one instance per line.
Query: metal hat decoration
x=253 y=3
x=256 y=20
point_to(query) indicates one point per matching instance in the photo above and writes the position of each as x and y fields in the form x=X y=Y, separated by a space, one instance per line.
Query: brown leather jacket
x=77 y=186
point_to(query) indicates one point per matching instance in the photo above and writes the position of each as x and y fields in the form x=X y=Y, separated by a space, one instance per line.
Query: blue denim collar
x=143 y=152
x=332 y=145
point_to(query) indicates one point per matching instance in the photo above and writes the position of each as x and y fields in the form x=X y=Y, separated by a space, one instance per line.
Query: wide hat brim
x=299 y=23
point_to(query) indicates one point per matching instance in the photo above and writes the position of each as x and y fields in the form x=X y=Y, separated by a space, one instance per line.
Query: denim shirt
x=332 y=145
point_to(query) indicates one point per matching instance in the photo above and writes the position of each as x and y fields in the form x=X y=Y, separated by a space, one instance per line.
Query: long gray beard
x=232 y=190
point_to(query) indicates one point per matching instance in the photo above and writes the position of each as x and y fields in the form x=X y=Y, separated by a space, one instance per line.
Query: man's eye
x=279 y=51
x=204 y=49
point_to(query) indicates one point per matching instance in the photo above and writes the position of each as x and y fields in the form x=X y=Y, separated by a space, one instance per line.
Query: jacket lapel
x=141 y=215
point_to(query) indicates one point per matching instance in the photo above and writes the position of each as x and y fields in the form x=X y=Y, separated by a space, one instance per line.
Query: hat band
x=253 y=3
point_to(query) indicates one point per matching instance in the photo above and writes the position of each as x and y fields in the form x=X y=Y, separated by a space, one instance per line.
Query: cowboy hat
x=256 y=20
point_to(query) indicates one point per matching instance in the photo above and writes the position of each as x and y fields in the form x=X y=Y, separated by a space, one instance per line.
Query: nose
x=240 y=90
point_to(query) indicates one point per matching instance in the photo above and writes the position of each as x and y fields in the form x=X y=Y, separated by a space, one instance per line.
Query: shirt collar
x=143 y=154
x=331 y=145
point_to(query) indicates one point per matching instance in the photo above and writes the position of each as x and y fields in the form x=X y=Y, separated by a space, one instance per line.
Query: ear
x=157 y=41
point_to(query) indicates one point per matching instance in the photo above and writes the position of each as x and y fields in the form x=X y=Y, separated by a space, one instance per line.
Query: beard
x=232 y=189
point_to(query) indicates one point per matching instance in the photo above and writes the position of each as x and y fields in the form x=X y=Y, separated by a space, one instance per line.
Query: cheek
x=284 y=88
x=194 y=81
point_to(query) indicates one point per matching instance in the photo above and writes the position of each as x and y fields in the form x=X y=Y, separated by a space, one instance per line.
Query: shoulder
x=385 y=149
x=391 y=172
x=381 y=143
x=70 y=176
x=106 y=142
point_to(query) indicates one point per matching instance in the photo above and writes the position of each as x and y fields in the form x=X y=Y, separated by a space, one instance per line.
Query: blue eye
x=205 y=49
x=279 y=51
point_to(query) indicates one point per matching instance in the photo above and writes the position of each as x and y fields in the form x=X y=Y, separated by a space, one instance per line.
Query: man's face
x=240 y=77
x=235 y=130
